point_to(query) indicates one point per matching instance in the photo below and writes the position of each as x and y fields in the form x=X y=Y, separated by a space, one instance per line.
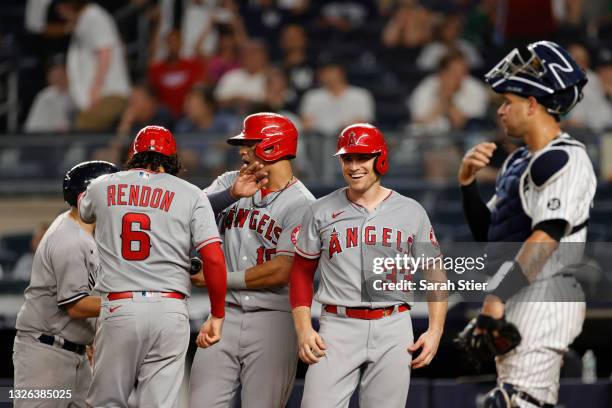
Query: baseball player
x=147 y=220
x=52 y=325
x=259 y=348
x=542 y=197
x=359 y=341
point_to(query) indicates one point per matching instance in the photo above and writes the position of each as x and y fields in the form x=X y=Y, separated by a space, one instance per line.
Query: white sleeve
x=560 y=192
x=85 y=204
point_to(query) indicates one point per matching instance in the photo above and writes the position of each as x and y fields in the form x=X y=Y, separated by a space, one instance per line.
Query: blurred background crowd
x=410 y=66
x=79 y=78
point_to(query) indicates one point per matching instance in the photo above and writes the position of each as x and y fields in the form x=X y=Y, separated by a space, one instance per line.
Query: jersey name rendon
x=139 y=196
x=384 y=236
x=265 y=225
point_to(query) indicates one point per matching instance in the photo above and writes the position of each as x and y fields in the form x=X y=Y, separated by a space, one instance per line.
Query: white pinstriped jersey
x=567 y=194
x=255 y=230
x=146 y=225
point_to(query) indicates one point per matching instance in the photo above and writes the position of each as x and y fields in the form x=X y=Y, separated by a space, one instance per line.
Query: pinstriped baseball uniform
x=146 y=225
x=258 y=349
x=63 y=270
x=566 y=192
x=372 y=353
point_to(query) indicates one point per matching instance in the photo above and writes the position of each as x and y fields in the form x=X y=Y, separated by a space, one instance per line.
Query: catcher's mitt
x=494 y=337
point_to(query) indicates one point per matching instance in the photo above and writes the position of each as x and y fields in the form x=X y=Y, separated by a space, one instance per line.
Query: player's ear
x=533 y=105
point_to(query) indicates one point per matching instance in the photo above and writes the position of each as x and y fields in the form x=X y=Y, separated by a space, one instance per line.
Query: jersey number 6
x=128 y=236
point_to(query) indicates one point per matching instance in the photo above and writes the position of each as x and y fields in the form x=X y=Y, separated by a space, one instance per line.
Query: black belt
x=526 y=397
x=68 y=345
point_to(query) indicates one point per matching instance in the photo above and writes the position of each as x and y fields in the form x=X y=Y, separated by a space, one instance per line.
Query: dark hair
x=154 y=160
x=76 y=4
x=450 y=57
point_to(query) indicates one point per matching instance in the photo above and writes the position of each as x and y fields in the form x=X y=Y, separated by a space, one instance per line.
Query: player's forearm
x=216 y=277
x=437 y=315
x=476 y=212
x=275 y=272
x=86 y=307
x=220 y=200
x=437 y=300
x=302 y=318
x=535 y=252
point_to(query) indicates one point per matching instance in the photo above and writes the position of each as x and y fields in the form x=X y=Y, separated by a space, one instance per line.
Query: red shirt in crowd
x=172 y=80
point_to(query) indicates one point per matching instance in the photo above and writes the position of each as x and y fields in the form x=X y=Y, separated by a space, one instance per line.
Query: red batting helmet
x=154 y=139
x=277 y=136
x=364 y=138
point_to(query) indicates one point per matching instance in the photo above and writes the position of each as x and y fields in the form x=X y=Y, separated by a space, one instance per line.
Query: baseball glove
x=493 y=337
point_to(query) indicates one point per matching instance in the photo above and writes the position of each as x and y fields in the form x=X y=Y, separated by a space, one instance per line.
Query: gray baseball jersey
x=259 y=340
x=146 y=225
x=255 y=229
x=63 y=271
x=346 y=237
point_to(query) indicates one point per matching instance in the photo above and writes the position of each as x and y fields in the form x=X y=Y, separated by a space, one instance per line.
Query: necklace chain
x=263 y=204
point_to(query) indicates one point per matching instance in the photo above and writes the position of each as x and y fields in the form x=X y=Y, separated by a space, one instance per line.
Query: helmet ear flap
x=381 y=164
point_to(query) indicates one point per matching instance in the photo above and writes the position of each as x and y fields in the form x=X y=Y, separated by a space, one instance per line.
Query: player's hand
x=311 y=347
x=428 y=342
x=90 y=351
x=198 y=279
x=493 y=307
x=210 y=332
x=474 y=160
x=252 y=177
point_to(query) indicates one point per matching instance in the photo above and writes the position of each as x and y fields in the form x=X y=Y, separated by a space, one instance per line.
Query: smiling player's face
x=358 y=171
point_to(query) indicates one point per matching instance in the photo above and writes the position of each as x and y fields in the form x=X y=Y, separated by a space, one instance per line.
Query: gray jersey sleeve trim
x=72 y=299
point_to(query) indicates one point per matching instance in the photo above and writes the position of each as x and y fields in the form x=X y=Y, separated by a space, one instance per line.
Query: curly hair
x=154 y=160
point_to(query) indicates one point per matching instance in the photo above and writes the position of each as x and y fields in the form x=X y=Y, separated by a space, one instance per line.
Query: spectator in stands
x=336 y=103
x=264 y=19
x=345 y=15
x=142 y=110
x=97 y=72
x=173 y=77
x=295 y=61
x=448 y=99
x=594 y=112
x=201 y=114
x=243 y=87
x=202 y=21
x=411 y=26
x=448 y=38
x=52 y=106
x=23 y=267
x=226 y=57
x=280 y=98
x=604 y=71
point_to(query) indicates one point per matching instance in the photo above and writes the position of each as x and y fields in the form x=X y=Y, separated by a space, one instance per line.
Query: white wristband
x=236 y=280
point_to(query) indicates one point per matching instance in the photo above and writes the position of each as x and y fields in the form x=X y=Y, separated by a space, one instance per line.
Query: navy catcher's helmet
x=543 y=70
x=78 y=178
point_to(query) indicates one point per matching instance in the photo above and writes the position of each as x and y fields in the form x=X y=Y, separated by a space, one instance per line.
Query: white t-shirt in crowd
x=50 y=111
x=472 y=100
x=95 y=30
x=593 y=111
x=238 y=83
x=331 y=113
